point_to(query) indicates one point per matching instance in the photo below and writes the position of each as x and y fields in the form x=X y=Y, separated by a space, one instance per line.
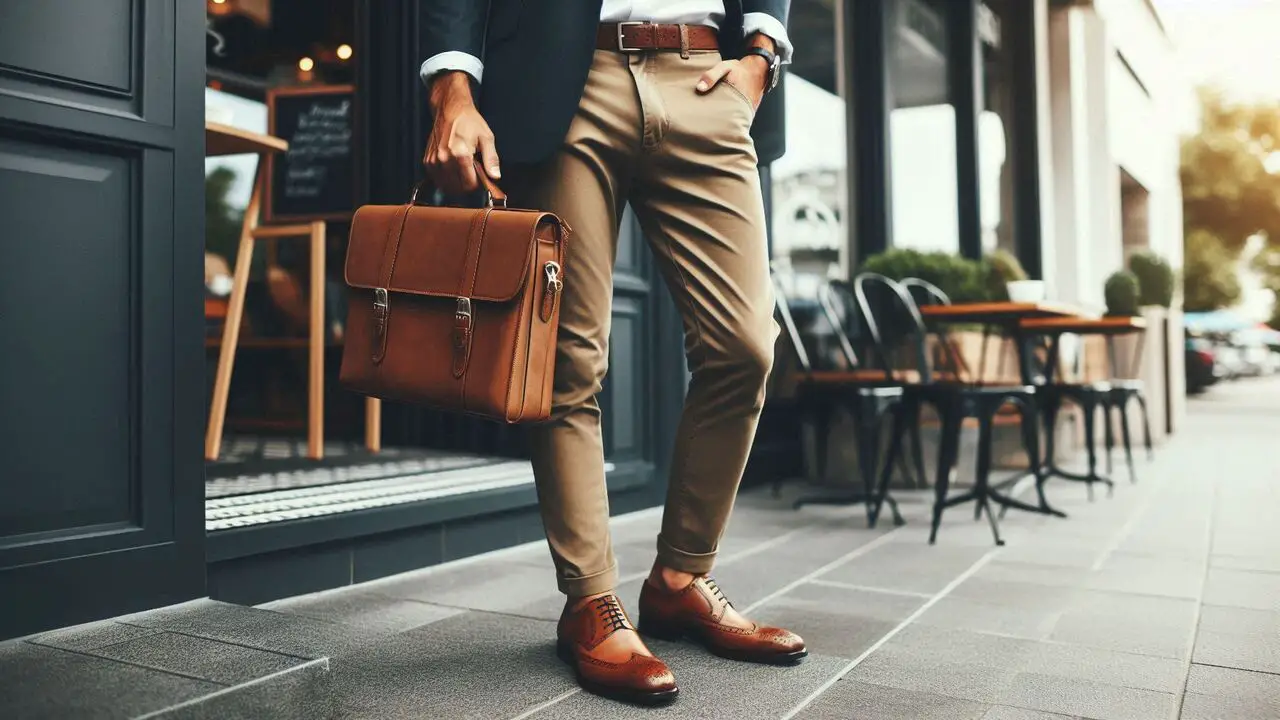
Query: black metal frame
x=955 y=401
x=867 y=66
x=966 y=89
x=1024 y=18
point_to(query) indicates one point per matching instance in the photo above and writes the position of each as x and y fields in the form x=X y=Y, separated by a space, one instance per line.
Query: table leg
x=231 y=328
x=373 y=424
x=315 y=375
x=1026 y=353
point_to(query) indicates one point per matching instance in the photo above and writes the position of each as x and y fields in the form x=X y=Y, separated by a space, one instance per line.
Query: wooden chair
x=226 y=140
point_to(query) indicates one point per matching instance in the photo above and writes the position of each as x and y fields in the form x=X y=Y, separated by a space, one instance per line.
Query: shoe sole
x=673 y=635
x=634 y=697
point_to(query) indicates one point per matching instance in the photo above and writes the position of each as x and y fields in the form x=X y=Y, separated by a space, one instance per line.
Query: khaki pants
x=687 y=165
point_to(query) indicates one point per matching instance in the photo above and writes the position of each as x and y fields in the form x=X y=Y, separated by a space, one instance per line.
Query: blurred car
x=1255 y=355
x=1202 y=364
x=1229 y=358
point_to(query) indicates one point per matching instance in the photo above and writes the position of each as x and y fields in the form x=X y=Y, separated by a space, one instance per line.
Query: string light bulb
x=344 y=52
x=306 y=64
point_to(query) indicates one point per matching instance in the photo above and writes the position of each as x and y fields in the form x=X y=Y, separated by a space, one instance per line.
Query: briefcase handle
x=494 y=197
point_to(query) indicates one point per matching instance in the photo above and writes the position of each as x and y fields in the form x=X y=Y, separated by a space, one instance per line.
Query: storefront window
x=922 y=129
x=258 y=51
x=995 y=169
x=810 y=196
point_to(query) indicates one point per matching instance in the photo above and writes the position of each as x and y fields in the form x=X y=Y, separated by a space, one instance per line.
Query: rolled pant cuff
x=600 y=582
x=695 y=563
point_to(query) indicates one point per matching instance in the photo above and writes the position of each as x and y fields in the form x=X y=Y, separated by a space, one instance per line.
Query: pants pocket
x=751 y=106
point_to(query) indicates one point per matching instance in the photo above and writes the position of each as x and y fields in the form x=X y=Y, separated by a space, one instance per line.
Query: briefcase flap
x=481 y=254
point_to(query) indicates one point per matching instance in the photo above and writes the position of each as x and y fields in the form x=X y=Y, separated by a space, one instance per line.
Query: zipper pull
x=552 y=288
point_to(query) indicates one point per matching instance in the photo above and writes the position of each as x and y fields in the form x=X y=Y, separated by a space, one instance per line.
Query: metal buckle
x=381 y=304
x=463 y=313
x=622 y=44
x=554 y=283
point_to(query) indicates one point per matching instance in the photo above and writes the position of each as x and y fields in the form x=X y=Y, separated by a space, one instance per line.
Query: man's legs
x=697 y=194
x=586 y=184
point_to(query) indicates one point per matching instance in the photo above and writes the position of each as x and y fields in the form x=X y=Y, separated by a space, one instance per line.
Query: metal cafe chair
x=894 y=321
x=820 y=393
x=1091 y=396
x=1123 y=391
x=922 y=293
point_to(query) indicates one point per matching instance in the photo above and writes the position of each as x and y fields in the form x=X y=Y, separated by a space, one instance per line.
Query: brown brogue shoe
x=621 y=675
x=698 y=612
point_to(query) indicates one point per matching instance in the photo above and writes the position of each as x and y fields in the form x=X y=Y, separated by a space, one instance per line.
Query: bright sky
x=1234 y=44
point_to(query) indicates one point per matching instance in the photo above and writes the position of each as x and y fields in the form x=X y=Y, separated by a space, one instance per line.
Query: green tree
x=1230 y=185
x=1208 y=273
x=1267 y=264
x=221 y=221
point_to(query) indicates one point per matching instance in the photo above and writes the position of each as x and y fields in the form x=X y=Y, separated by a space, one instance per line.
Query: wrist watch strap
x=773 y=62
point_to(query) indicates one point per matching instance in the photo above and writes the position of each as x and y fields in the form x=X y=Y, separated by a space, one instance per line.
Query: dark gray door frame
x=866 y=63
x=966 y=88
x=1022 y=22
x=102 y=377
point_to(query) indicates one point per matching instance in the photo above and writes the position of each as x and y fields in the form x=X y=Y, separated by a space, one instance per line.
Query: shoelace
x=610 y=611
x=717 y=591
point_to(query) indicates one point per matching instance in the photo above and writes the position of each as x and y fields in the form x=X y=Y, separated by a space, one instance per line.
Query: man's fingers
x=489 y=156
x=714 y=75
x=465 y=169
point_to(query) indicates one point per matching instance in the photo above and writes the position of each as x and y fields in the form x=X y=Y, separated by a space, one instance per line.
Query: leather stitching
x=469 y=288
x=380 y=353
x=511 y=373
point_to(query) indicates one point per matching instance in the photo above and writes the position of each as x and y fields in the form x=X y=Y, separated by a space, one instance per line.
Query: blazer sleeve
x=778 y=9
x=453 y=36
x=772 y=21
x=454 y=26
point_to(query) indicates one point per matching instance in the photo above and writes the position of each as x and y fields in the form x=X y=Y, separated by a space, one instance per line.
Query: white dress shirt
x=687 y=12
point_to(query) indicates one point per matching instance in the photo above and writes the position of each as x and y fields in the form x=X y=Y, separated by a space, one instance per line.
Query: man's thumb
x=489 y=157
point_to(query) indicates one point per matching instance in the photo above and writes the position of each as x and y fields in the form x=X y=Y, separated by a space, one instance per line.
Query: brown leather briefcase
x=455 y=308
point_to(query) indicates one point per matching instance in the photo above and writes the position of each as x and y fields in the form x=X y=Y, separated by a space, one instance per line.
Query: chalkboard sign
x=315 y=178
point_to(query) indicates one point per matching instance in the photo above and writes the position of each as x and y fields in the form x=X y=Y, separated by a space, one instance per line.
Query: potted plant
x=1007 y=280
x=1122 y=293
x=1155 y=279
x=1160 y=363
x=960 y=278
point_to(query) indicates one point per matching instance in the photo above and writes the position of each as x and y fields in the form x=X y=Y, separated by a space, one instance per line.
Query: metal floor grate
x=223 y=513
x=373 y=468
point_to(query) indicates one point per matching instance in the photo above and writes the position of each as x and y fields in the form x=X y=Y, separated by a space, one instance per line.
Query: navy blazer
x=536 y=57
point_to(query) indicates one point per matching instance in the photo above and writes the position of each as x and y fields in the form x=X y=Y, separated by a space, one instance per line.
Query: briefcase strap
x=494 y=196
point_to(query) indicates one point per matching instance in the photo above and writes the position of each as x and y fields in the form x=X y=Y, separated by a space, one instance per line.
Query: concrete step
x=196 y=660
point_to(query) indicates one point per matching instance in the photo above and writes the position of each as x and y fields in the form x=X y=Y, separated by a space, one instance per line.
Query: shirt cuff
x=451 y=60
x=758 y=22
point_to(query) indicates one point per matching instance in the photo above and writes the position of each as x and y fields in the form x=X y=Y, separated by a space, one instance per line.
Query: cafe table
x=1008 y=318
x=222 y=140
x=1054 y=328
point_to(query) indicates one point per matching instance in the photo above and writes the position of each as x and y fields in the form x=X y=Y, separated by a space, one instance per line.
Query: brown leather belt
x=640 y=36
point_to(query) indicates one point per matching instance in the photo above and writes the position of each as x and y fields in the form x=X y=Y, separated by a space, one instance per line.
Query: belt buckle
x=622 y=44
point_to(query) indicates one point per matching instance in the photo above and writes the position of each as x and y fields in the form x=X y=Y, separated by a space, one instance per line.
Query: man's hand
x=458 y=133
x=749 y=75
